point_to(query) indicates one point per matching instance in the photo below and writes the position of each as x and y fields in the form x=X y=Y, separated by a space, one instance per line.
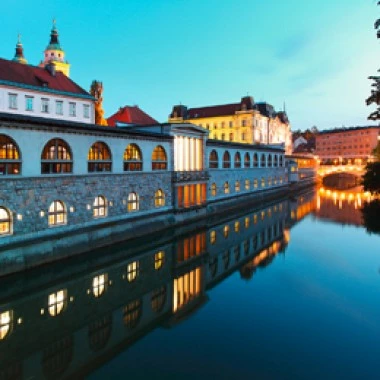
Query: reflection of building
x=243 y=122
x=346 y=145
x=63 y=322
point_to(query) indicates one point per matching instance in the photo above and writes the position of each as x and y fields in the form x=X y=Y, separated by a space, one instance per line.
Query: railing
x=190 y=176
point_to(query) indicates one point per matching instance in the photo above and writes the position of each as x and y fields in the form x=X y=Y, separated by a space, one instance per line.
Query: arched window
x=56 y=158
x=262 y=182
x=99 y=207
x=237 y=160
x=6 y=319
x=132 y=158
x=247 y=184
x=10 y=157
x=226 y=188
x=99 y=332
x=5 y=221
x=213 y=160
x=213 y=189
x=57 y=302
x=226 y=160
x=159 y=260
x=159 y=198
x=133 y=202
x=247 y=160
x=158 y=299
x=255 y=183
x=99 y=158
x=57 y=213
x=213 y=266
x=275 y=161
x=159 y=160
x=237 y=186
x=226 y=259
x=132 y=313
x=263 y=163
x=226 y=231
x=281 y=161
x=269 y=161
x=255 y=160
x=269 y=180
x=99 y=284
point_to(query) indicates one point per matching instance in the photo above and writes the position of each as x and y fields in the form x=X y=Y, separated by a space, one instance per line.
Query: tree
x=375 y=92
x=376 y=151
x=371 y=178
x=371 y=212
x=96 y=91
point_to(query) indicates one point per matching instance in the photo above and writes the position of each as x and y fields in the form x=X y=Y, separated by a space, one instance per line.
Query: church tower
x=19 y=54
x=54 y=54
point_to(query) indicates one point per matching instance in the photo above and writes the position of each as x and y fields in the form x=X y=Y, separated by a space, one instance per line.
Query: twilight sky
x=313 y=55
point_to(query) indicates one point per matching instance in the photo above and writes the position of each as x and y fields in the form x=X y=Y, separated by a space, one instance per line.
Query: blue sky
x=313 y=55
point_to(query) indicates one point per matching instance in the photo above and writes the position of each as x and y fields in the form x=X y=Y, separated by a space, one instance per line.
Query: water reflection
x=65 y=320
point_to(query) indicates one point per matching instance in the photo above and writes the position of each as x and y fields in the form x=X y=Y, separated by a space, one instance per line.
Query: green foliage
x=371 y=219
x=376 y=152
x=371 y=178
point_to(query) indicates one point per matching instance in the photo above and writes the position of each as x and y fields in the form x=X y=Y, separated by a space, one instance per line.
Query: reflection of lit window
x=99 y=285
x=57 y=302
x=237 y=226
x=262 y=182
x=158 y=299
x=132 y=271
x=246 y=222
x=212 y=237
x=262 y=215
x=254 y=218
x=226 y=231
x=226 y=188
x=237 y=186
x=5 y=323
x=255 y=183
x=186 y=288
x=159 y=259
x=213 y=189
x=99 y=332
x=247 y=184
x=132 y=313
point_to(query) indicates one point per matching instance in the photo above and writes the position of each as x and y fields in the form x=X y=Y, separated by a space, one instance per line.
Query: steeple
x=54 y=54
x=19 y=54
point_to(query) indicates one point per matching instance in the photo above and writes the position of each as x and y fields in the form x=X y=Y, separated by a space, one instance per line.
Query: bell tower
x=54 y=54
x=19 y=54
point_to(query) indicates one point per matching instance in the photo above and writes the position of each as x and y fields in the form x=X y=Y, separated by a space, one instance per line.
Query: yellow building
x=243 y=122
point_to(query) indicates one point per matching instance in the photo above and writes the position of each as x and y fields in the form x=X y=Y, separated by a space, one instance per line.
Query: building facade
x=244 y=122
x=347 y=145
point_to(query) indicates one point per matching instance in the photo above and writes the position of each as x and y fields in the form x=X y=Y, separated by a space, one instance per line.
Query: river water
x=290 y=290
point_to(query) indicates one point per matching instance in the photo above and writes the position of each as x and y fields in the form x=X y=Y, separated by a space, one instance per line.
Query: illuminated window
x=5 y=221
x=246 y=222
x=186 y=288
x=159 y=198
x=213 y=266
x=99 y=284
x=237 y=160
x=263 y=161
x=133 y=202
x=226 y=231
x=237 y=226
x=12 y=101
x=5 y=323
x=262 y=215
x=213 y=237
x=237 y=186
x=56 y=158
x=226 y=259
x=159 y=260
x=255 y=183
x=132 y=158
x=159 y=160
x=158 y=299
x=99 y=207
x=247 y=184
x=133 y=271
x=247 y=160
x=132 y=313
x=255 y=160
x=213 y=189
x=99 y=158
x=226 y=160
x=10 y=158
x=57 y=302
x=262 y=182
x=226 y=188
x=57 y=214
x=213 y=160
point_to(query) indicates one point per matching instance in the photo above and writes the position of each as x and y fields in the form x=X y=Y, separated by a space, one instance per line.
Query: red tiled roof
x=131 y=115
x=220 y=110
x=22 y=74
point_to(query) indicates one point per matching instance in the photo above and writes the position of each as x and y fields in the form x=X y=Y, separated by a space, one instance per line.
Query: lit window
x=57 y=214
x=159 y=259
x=226 y=188
x=132 y=313
x=29 y=103
x=237 y=226
x=59 y=107
x=10 y=157
x=72 y=109
x=99 y=285
x=246 y=222
x=159 y=198
x=237 y=186
x=99 y=207
x=99 y=158
x=213 y=189
x=56 y=158
x=5 y=323
x=86 y=111
x=213 y=237
x=262 y=182
x=12 y=101
x=45 y=105
x=158 y=299
x=5 y=221
x=255 y=183
x=133 y=271
x=133 y=202
x=132 y=158
x=247 y=184
x=57 y=302
x=159 y=160
x=226 y=231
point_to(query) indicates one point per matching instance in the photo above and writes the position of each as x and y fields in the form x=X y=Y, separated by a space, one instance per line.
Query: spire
x=19 y=54
x=54 y=42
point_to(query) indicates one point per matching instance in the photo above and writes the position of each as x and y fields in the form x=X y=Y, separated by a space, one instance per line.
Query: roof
x=220 y=110
x=38 y=78
x=131 y=115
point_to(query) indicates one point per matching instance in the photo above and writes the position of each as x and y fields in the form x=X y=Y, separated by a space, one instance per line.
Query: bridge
x=325 y=170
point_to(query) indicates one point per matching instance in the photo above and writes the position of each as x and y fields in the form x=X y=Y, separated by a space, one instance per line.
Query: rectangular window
x=243 y=136
x=45 y=105
x=12 y=101
x=29 y=103
x=59 y=107
x=86 y=111
x=231 y=124
x=72 y=109
x=231 y=137
x=243 y=123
